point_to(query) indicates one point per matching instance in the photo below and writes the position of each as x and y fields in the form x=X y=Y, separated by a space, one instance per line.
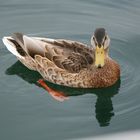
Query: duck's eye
x=105 y=37
x=94 y=41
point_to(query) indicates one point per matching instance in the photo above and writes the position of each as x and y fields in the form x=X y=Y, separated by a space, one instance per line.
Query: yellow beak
x=99 y=56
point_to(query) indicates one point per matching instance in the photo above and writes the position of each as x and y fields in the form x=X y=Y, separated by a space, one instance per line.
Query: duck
x=66 y=62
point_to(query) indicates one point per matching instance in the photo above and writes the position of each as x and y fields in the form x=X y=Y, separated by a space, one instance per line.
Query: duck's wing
x=68 y=55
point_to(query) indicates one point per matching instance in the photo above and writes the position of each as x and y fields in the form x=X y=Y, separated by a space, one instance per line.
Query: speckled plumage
x=63 y=62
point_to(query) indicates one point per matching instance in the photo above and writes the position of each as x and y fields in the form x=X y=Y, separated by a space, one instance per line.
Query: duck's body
x=63 y=62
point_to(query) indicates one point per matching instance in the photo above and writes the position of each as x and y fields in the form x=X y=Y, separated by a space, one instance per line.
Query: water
x=28 y=112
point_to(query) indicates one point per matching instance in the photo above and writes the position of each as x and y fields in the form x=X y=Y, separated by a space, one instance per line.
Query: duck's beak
x=99 y=56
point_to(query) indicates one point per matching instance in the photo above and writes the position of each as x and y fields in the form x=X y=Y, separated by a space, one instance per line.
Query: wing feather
x=69 y=55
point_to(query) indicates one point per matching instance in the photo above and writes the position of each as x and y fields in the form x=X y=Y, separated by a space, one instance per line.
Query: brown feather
x=69 y=55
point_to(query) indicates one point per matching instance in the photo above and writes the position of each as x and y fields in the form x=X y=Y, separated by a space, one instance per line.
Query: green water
x=28 y=112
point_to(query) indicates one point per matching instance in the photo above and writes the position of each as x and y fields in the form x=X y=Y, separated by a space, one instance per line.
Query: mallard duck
x=66 y=62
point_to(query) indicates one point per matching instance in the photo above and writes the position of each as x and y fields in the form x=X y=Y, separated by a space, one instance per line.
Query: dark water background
x=28 y=112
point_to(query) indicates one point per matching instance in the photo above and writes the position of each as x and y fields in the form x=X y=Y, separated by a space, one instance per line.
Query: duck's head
x=100 y=41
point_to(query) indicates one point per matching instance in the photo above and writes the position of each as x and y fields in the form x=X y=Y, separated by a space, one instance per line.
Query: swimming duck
x=66 y=62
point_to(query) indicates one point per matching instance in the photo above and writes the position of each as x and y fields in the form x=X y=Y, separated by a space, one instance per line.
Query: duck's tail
x=13 y=46
x=18 y=47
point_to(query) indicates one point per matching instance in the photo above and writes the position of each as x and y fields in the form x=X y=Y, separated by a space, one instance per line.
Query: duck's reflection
x=104 y=110
x=103 y=107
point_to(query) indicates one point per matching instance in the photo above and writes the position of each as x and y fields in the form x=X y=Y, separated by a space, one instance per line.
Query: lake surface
x=28 y=112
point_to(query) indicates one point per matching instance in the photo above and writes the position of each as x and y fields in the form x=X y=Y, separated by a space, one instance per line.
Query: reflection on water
x=104 y=110
x=103 y=107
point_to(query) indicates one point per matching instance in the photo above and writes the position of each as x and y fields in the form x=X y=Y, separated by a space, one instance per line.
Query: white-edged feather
x=10 y=46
